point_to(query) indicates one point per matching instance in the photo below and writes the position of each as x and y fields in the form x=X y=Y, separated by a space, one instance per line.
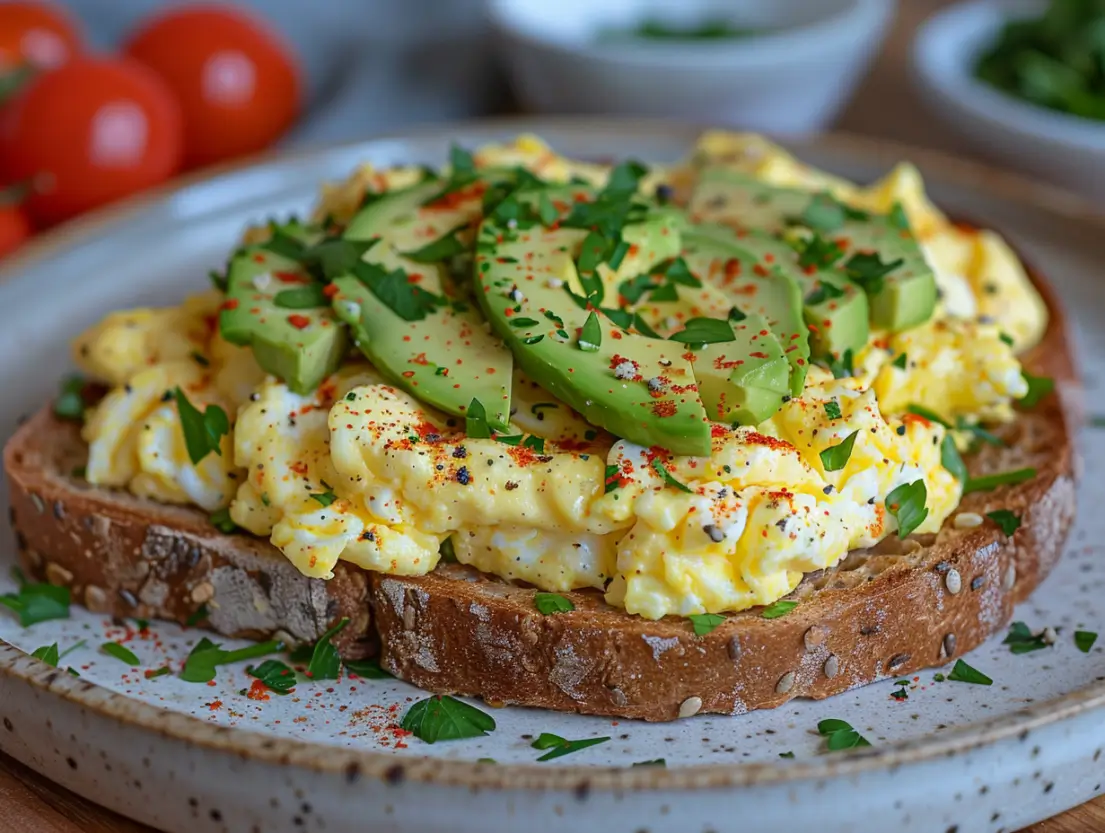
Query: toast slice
x=891 y=610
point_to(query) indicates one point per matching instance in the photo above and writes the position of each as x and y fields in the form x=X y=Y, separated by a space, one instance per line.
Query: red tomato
x=15 y=228
x=39 y=34
x=236 y=80
x=88 y=133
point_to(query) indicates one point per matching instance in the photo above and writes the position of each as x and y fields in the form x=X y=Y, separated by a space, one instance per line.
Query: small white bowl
x=1065 y=149
x=791 y=78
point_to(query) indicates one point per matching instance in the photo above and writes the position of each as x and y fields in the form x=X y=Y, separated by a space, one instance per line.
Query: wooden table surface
x=884 y=106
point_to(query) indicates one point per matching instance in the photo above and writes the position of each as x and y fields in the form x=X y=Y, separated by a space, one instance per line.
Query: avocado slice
x=275 y=307
x=746 y=380
x=878 y=251
x=755 y=286
x=407 y=316
x=642 y=389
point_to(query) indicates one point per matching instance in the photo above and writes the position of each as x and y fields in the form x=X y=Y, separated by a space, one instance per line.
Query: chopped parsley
x=196 y=616
x=546 y=211
x=369 y=669
x=978 y=433
x=832 y=409
x=549 y=603
x=992 y=481
x=840 y=735
x=1038 y=388
x=964 y=673
x=276 y=676
x=868 y=270
x=842 y=368
x=36 y=603
x=206 y=656
x=48 y=654
x=325 y=662
x=302 y=297
x=819 y=252
x=704 y=331
x=221 y=520
x=1084 y=640
x=704 y=623
x=900 y=361
x=560 y=747
x=951 y=460
x=202 y=431
x=823 y=292
x=653 y=762
x=442 y=717
x=907 y=504
x=121 y=653
x=927 y=414
x=395 y=291
x=1021 y=640
x=70 y=401
x=1006 y=520
x=667 y=476
x=612 y=479
x=199 y=358
x=590 y=335
x=443 y=248
x=779 y=609
x=475 y=421
x=835 y=457
x=787 y=755
x=898 y=217
x=537 y=444
x=327 y=497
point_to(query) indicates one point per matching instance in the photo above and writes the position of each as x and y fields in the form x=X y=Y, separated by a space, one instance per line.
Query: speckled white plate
x=198 y=758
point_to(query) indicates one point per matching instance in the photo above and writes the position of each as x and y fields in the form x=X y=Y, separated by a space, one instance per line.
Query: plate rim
x=354 y=763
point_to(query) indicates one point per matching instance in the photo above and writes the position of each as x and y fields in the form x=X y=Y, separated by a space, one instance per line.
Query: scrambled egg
x=361 y=471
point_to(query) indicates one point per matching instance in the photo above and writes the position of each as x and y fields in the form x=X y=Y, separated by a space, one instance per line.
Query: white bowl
x=1065 y=149
x=791 y=79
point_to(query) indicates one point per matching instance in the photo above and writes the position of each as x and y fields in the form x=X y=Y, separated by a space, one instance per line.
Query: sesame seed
x=690 y=707
x=953 y=581
x=968 y=520
x=815 y=636
x=786 y=683
x=949 y=645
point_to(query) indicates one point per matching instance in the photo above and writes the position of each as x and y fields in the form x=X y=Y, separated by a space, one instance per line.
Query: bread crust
x=890 y=611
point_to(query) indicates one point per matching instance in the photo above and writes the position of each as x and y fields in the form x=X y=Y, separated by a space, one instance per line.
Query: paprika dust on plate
x=236 y=80
x=88 y=133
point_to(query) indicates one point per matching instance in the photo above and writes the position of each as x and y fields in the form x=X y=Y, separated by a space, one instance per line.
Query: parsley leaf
x=1084 y=640
x=395 y=291
x=898 y=217
x=654 y=762
x=819 y=252
x=963 y=673
x=302 y=297
x=633 y=289
x=335 y=256
x=832 y=409
x=669 y=479
x=900 y=361
x=461 y=160
x=776 y=610
x=546 y=211
x=37 y=602
x=549 y=603
x=612 y=478
x=978 y=432
x=47 y=653
x=369 y=669
x=869 y=271
x=202 y=431
x=907 y=504
x=927 y=414
x=560 y=747
x=475 y=421
x=70 y=401
x=325 y=498
x=535 y=443
x=842 y=368
x=1038 y=388
x=206 y=656
x=823 y=292
x=1006 y=520
x=221 y=520
x=951 y=460
x=835 y=457
x=839 y=735
x=704 y=623
x=992 y=481
x=442 y=717
x=823 y=213
x=623 y=180
x=1021 y=640
x=704 y=331
x=590 y=335
x=443 y=248
x=325 y=662
x=276 y=676
x=121 y=653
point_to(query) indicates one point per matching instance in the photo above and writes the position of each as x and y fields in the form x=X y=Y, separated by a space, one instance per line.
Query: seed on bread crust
x=786 y=683
x=831 y=666
x=953 y=582
x=690 y=707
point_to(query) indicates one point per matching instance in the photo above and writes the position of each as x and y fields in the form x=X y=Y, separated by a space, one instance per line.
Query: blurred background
x=100 y=99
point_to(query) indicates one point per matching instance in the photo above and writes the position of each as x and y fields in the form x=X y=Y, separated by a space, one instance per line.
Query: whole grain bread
x=892 y=610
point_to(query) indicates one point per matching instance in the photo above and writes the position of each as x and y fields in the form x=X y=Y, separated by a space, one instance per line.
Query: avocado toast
x=535 y=268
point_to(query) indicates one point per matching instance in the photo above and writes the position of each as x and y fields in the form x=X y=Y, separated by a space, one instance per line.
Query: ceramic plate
x=945 y=757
